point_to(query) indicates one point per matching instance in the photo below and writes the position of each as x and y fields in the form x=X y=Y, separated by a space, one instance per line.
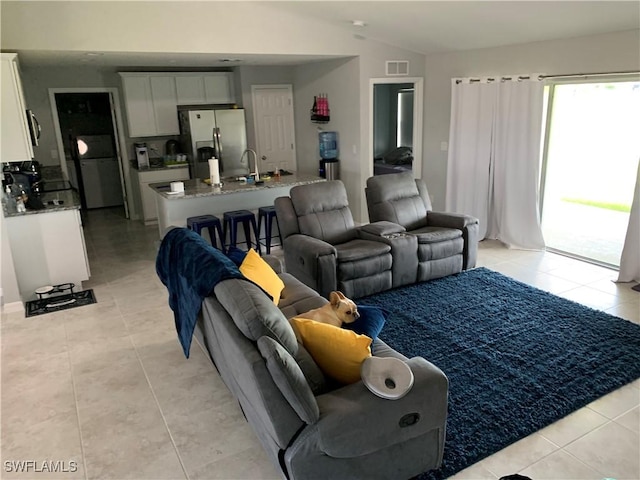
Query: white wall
x=617 y=52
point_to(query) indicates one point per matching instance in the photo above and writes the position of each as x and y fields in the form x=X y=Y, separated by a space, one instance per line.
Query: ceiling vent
x=397 y=68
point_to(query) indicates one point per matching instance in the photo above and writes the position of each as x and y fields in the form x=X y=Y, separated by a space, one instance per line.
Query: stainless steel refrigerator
x=218 y=131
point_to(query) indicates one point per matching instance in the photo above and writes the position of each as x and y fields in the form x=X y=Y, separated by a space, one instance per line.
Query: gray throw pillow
x=290 y=380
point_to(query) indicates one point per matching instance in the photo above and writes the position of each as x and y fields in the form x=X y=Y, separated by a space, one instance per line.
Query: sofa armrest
x=274 y=262
x=470 y=233
x=381 y=228
x=312 y=261
x=354 y=422
x=450 y=220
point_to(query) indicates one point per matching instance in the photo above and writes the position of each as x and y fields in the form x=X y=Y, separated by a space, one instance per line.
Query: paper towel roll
x=214 y=171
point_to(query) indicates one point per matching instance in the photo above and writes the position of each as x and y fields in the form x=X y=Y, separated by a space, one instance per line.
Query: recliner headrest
x=319 y=197
x=387 y=188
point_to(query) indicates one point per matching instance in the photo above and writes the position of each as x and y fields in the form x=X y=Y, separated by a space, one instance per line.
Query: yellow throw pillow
x=338 y=352
x=259 y=272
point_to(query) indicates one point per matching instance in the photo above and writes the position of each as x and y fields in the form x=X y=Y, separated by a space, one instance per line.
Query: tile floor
x=106 y=386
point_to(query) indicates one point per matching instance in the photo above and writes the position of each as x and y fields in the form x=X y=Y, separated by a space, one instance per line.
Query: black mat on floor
x=60 y=302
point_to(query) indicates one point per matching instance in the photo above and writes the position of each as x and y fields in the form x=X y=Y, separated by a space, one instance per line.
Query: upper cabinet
x=151 y=99
x=196 y=89
x=16 y=139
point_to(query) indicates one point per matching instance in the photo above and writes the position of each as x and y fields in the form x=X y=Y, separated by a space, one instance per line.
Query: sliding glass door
x=591 y=153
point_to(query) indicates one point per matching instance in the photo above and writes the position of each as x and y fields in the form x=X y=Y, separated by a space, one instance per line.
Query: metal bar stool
x=248 y=221
x=268 y=214
x=210 y=222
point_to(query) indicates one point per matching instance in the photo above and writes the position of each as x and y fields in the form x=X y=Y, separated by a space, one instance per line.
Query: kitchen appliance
x=99 y=171
x=209 y=131
x=172 y=148
x=142 y=155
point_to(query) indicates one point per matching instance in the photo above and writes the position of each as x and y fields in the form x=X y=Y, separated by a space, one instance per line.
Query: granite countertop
x=69 y=198
x=197 y=188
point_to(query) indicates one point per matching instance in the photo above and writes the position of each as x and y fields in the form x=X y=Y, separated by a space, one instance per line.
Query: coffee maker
x=142 y=155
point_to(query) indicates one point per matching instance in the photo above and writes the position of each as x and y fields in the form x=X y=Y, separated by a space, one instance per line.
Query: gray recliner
x=447 y=243
x=322 y=246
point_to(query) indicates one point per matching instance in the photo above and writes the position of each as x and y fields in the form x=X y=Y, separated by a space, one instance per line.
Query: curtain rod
x=585 y=75
x=543 y=77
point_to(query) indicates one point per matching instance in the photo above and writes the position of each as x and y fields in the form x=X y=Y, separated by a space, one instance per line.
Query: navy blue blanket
x=190 y=268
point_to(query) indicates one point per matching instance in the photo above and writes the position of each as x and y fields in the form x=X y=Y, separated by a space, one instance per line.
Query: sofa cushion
x=435 y=234
x=258 y=271
x=315 y=378
x=289 y=378
x=298 y=298
x=254 y=313
x=360 y=250
x=369 y=323
x=338 y=352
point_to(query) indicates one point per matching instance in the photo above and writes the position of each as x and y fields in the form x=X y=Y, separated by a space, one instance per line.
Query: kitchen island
x=48 y=245
x=200 y=198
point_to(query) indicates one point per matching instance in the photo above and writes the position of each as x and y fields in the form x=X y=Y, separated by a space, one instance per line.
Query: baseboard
x=13 y=307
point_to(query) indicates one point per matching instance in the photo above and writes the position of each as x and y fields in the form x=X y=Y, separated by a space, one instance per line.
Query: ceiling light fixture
x=94 y=54
x=358 y=23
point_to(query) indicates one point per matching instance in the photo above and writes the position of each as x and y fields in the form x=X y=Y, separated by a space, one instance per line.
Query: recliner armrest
x=354 y=422
x=310 y=247
x=450 y=220
x=381 y=228
x=274 y=262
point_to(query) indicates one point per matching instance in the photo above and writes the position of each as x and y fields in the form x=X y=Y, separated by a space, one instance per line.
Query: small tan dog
x=339 y=310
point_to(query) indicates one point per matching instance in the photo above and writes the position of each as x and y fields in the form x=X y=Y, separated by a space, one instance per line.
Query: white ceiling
x=443 y=26
x=422 y=26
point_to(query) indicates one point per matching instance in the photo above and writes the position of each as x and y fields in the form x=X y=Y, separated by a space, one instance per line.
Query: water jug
x=328 y=145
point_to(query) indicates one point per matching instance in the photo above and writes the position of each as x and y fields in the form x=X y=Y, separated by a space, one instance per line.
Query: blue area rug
x=517 y=358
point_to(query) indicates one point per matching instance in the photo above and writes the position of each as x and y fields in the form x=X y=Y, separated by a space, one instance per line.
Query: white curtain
x=630 y=259
x=494 y=157
x=469 y=164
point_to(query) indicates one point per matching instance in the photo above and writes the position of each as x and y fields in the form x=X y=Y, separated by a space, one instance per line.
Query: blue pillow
x=236 y=255
x=370 y=322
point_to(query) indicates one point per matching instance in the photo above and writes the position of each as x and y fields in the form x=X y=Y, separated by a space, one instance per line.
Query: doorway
x=89 y=145
x=273 y=120
x=395 y=126
x=589 y=167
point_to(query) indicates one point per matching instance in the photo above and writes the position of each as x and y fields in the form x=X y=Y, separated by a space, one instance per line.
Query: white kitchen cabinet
x=165 y=101
x=16 y=139
x=139 y=105
x=212 y=87
x=144 y=197
x=48 y=249
x=150 y=102
x=151 y=99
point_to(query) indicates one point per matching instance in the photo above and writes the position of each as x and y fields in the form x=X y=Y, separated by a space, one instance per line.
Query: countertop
x=197 y=188
x=70 y=201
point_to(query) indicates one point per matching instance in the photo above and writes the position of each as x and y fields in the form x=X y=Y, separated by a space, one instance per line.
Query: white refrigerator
x=214 y=131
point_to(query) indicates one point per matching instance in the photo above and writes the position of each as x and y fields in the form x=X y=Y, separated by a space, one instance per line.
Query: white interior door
x=273 y=120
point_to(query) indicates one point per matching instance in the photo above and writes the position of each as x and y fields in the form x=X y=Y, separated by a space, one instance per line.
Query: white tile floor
x=107 y=386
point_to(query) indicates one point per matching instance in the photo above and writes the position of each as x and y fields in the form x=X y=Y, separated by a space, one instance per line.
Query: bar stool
x=268 y=214
x=248 y=221
x=212 y=223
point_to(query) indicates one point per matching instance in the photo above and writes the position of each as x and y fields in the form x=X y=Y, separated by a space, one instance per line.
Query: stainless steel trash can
x=332 y=169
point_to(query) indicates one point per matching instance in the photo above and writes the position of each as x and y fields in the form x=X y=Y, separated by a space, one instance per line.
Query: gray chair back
x=398 y=198
x=323 y=211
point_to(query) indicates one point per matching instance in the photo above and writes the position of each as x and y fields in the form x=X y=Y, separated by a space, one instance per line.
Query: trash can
x=332 y=169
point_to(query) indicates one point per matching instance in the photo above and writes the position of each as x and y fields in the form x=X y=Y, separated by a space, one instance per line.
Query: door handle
x=263 y=157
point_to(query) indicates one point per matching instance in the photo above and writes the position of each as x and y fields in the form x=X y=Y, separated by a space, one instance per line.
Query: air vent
x=397 y=67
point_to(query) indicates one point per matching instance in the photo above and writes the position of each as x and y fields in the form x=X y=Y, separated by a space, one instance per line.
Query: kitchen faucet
x=255 y=161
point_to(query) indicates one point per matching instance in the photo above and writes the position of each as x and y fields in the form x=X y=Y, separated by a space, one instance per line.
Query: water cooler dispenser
x=329 y=163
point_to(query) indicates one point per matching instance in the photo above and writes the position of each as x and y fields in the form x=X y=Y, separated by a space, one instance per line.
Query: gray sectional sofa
x=310 y=427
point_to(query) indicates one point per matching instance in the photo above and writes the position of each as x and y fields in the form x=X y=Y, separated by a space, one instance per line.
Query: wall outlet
x=444 y=146
x=54 y=153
